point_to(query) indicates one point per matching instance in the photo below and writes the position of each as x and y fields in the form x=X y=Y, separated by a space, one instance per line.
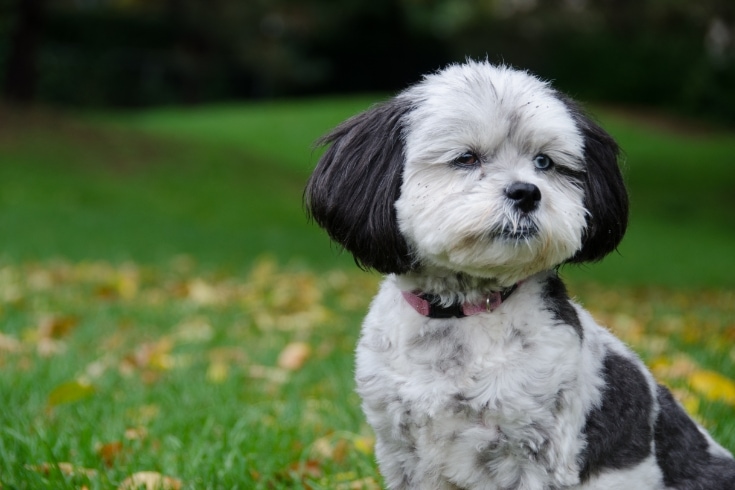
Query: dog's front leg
x=401 y=466
x=401 y=470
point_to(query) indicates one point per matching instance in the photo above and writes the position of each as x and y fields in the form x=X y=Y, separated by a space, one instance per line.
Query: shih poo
x=476 y=370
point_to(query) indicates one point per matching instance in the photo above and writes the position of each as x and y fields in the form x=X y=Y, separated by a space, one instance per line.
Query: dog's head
x=477 y=169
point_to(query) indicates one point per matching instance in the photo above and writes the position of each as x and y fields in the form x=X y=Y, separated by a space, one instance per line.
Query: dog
x=469 y=190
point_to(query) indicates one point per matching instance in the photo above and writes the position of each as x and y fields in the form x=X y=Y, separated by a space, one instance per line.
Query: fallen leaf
x=110 y=452
x=340 y=450
x=330 y=448
x=70 y=392
x=153 y=356
x=9 y=344
x=273 y=375
x=294 y=355
x=128 y=282
x=323 y=447
x=217 y=372
x=688 y=400
x=67 y=469
x=203 y=293
x=365 y=444
x=367 y=483
x=627 y=328
x=136 y=433
x=713 y=386
x=149 y=480
x=310 y=468
x=56 y=327
x=47 y=347
x=680 y=366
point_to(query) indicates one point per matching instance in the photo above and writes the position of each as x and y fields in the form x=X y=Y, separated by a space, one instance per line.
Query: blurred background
x=185 y=126
x=675 y=54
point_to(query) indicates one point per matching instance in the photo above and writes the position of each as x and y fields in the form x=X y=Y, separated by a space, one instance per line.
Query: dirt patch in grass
x=46 y=129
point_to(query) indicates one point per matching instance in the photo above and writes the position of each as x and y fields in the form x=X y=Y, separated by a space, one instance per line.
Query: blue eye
x=542 y=162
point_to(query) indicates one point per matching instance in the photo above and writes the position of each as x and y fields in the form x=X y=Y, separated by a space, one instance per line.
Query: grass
x=166 y=308
x=122 y=369
x=148 y=199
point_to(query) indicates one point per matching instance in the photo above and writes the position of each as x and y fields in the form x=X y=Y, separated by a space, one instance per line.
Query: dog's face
x=477 y=169
x=492 y=184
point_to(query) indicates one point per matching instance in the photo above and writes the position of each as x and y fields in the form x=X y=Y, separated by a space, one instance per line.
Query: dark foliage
x=679 y=55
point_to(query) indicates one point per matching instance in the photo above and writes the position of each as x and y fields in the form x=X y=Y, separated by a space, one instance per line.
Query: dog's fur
x=533 y=395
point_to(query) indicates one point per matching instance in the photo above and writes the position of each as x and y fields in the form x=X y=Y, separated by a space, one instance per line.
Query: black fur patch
x=356 y=183
x=557 y=301
x=619 y=432
x=682 y=451
x=606 y=198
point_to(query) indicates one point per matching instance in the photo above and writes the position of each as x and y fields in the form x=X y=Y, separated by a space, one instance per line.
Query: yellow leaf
x=691 y=405
x=217 y=372
x=688 y=400
x=679 y=367
x=72 y=391
x=128 y=282
x=713 y=386
x=365 y=444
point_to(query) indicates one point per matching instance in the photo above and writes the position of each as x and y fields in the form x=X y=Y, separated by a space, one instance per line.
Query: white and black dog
x=476 y=370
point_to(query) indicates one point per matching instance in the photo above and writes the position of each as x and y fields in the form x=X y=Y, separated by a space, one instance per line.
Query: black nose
x=524 y=195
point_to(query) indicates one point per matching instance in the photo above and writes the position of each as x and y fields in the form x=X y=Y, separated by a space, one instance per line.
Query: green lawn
x=166 y=308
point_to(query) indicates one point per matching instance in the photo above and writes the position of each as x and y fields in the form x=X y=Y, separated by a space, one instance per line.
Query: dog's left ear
x=353 y=190
x=606 y=198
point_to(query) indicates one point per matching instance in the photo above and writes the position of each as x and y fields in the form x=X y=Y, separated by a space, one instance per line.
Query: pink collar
x=429 y=305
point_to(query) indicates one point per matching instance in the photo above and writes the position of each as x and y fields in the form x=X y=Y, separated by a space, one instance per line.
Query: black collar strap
x=429 y=305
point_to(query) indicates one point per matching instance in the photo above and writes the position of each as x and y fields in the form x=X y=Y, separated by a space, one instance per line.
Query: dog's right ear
x=355 y=185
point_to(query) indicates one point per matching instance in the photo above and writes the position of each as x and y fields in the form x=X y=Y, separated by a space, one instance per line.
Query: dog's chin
x=506 y=257
x=508 y=253
x=522 y=233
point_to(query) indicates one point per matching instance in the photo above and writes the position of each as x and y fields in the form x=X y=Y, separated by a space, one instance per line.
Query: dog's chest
x=490 y=365
x=478 y=397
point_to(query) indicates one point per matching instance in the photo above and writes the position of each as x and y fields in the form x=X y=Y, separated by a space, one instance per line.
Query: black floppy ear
x=606 y=198
x=356 y=183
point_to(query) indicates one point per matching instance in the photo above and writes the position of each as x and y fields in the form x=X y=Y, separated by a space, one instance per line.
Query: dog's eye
x=542 y=162
x=467 y=159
